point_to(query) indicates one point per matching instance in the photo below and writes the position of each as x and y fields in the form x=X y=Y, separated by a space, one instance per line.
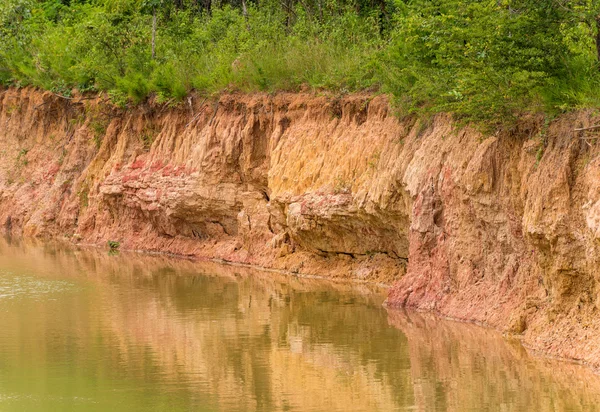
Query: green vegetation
x=485 y=60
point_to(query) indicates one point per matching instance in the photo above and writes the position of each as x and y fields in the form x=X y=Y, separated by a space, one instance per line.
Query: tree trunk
x=320 y=11
x=383 y=16
x=288 y=4
x=153 y=33
x=598 y=41
x=244 y=9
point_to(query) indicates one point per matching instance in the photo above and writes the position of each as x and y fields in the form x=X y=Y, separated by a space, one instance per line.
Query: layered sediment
x=499 y=228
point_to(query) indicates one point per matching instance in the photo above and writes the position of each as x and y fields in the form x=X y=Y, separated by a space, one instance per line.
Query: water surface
x=81 y=330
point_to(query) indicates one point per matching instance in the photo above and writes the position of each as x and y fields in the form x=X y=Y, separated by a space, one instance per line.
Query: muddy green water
x=84 y=331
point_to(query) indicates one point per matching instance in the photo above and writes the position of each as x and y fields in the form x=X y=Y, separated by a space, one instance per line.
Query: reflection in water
x=87 y=331
x=460 y=367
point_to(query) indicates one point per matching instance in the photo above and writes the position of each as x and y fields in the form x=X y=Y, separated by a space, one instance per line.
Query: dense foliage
x=483 y=59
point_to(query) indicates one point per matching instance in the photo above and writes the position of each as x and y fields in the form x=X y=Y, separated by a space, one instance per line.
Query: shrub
x=484 y=60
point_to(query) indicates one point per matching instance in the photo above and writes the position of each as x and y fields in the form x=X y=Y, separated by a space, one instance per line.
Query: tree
x=582 y=13
x=153 y=6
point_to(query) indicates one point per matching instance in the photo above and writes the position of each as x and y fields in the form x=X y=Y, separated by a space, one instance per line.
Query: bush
x=484 y=60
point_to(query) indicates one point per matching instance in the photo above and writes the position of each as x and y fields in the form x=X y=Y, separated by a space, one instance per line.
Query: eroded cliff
x=501 y=229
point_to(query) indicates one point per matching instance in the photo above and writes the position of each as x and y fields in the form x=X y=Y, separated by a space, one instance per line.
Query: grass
x=98 y=50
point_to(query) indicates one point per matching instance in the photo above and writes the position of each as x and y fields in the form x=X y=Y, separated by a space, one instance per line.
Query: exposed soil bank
x=498 y=229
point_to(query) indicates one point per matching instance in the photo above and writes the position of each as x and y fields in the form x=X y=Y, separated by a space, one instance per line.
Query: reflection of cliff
x=263 y=345
x=460 y=367
x=249 y=340
x=253 y=341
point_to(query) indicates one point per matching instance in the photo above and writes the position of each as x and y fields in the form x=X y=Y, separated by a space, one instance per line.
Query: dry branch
x=587 y=128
